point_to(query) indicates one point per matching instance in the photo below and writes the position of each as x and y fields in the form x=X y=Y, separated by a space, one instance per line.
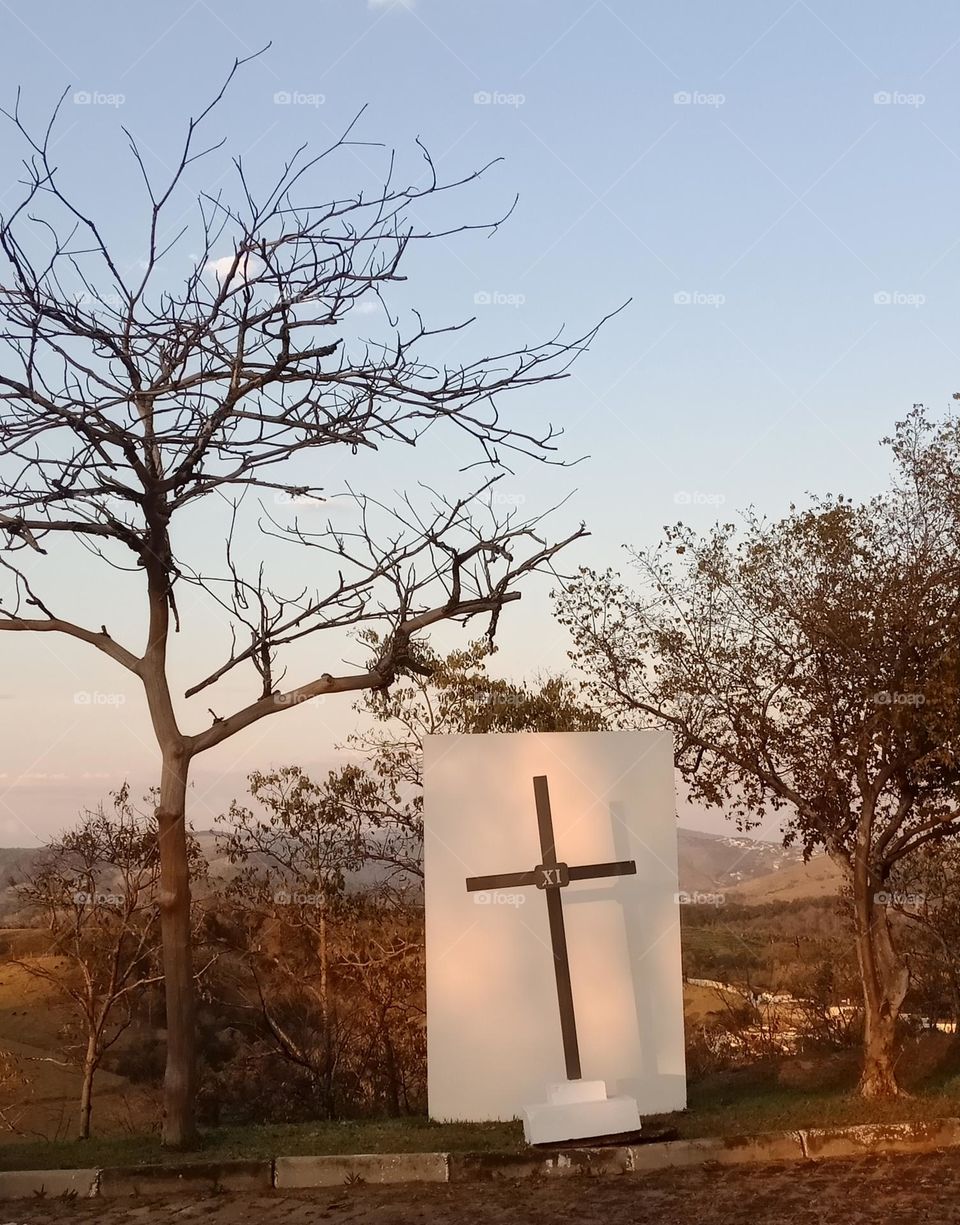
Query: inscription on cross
x=551 y=876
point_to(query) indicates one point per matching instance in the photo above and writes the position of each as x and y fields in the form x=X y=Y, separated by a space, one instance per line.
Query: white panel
x=493 y=1028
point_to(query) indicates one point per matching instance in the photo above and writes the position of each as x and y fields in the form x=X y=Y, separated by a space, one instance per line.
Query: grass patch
x=268 y=1140
x=732 y=1111
x=722 y=1109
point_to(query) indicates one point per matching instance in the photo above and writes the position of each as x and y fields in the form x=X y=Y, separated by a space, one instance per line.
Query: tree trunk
x=179 y=1083
x=954 y=1012
x=884 y=979
x=393 y=1079
x=86 y=1086
x=325 y=1018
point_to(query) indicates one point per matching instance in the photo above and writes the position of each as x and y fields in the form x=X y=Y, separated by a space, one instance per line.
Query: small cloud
x=32 y=778
x=222 y=267
x=219 y=267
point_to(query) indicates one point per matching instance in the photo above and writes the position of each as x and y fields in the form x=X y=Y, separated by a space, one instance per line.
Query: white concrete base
x=579 y=1110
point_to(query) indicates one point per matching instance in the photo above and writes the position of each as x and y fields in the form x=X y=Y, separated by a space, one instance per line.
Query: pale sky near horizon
x=773 y=186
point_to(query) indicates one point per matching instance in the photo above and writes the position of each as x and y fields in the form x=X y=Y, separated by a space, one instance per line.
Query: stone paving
x=895 y=1189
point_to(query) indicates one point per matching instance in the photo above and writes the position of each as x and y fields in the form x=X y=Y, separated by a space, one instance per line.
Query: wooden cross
x=551 y=875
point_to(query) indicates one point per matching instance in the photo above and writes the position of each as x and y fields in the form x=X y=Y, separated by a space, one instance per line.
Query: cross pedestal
x=575 y=1108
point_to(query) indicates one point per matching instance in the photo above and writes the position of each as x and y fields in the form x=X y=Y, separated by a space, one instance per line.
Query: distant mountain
x=717 y=863
x=740 y=867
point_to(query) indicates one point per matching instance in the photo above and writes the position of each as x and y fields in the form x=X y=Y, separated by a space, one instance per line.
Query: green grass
x=416 y=1135
x=730 y=1108
x=731 y=1112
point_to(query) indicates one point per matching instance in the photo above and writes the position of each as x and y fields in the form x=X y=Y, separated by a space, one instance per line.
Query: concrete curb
x=49 y=1184
x=364 y=1167
x=483 y=1167
x=859 y=1141
x=723 y=1150
x=284 y=1173
x=199 y=1177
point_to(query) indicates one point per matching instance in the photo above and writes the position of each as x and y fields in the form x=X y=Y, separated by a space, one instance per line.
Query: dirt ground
x=905 y=1189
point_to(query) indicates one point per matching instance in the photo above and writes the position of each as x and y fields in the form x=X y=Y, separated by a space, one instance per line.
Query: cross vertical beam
x=551 y=876
x=558 y=932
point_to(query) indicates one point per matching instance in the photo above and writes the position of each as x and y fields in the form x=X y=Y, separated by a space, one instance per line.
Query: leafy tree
x=293 y=853
x=337 y=972
x=924 y=893
x=382 y=797
x=142 y=419
x=328 y=1026
x=808 y=666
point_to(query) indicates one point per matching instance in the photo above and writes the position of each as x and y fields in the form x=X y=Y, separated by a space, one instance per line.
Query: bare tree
x=126 y=403
x=810 y=666
x=15 y=1093
x=97 y=889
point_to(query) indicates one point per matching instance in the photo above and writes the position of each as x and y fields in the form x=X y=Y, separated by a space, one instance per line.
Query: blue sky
x=772 y=185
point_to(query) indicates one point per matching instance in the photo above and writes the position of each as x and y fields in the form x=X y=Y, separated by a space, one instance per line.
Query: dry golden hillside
x=818 y=878
x=42 y=1098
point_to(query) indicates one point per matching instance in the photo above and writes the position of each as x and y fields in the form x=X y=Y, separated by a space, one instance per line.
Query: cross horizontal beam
x=517 y=880
x=596 y=871
x=503 y=880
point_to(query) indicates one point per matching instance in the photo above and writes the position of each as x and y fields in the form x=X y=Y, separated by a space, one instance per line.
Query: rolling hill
x=708 y=863
x=818 y=878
